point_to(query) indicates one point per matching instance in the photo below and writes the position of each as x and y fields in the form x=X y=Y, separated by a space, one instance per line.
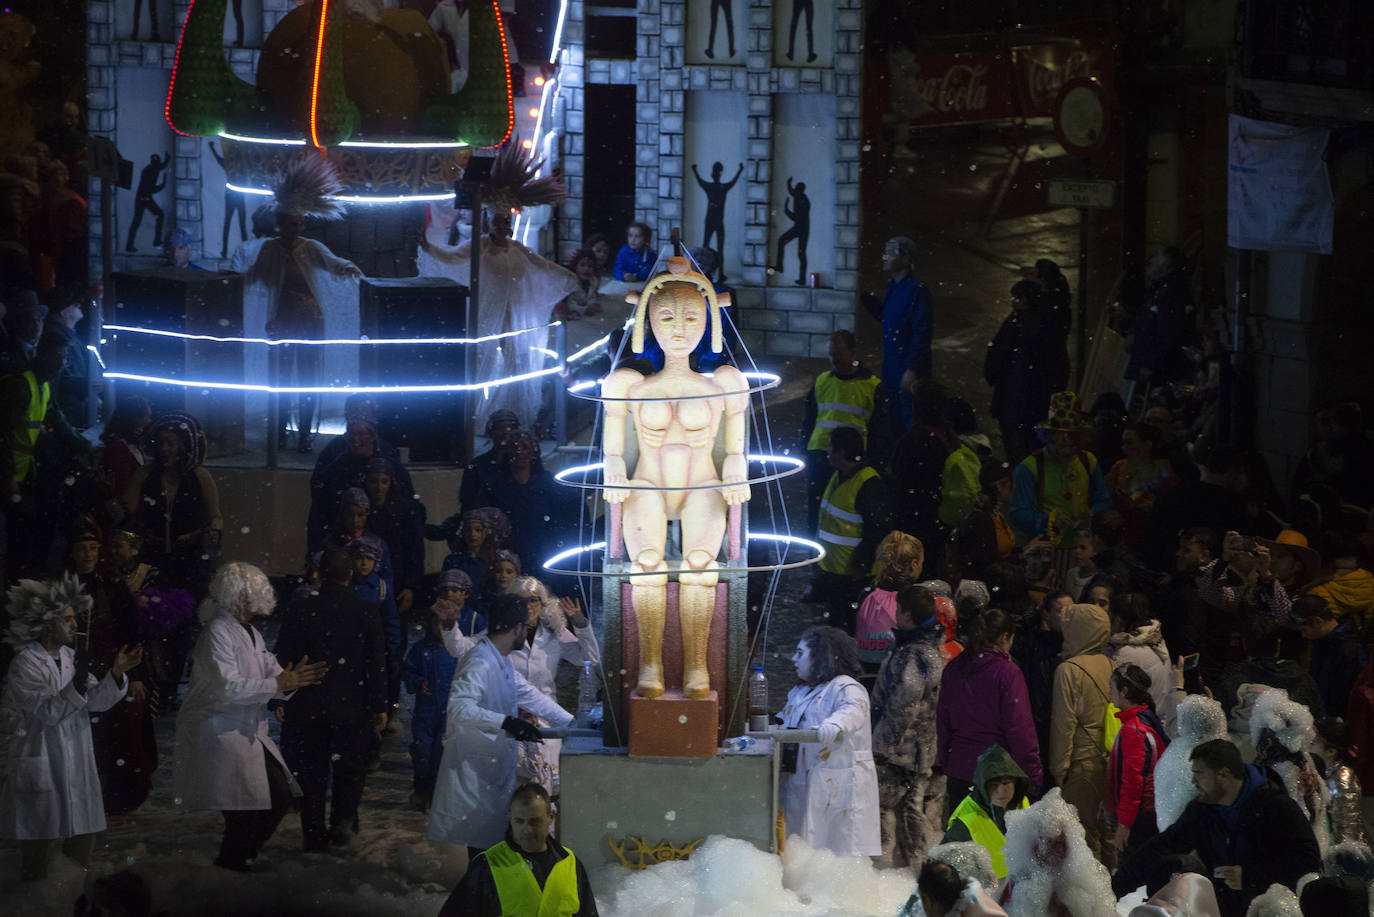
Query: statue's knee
x=698 y=569
x=649 y=559
x=700 y=559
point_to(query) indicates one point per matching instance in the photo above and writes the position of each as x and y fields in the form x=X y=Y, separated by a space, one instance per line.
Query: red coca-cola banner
x=1016 y=81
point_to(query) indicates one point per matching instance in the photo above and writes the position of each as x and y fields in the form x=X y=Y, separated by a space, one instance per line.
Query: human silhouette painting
x=716 y=190
x=148 y=185
x=234 y=202
x=798 y=210
x=800 y=8
x=718 y=7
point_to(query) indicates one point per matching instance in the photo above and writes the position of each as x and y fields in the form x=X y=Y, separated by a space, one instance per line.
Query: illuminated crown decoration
x=679 y=271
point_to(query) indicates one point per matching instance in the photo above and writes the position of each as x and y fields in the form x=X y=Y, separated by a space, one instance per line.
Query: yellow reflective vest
x=841 y=528
x=842 y=403
x=983 y=830
x=521 y=895
x=25 y=438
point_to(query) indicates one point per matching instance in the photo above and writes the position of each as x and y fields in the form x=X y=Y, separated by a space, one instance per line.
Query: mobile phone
x=1190 y=662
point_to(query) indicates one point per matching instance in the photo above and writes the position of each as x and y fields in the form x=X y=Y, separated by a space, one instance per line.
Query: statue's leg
x=645 y=523
x=703 y=528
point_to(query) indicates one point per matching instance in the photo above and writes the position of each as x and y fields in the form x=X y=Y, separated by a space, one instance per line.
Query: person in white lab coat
x=556 y=629
x=477 y=770
x=49 y=789
x=224 y=758
x=830 y=798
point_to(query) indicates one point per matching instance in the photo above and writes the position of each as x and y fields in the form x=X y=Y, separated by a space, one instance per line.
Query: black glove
x=83 y=671
x=521 y=731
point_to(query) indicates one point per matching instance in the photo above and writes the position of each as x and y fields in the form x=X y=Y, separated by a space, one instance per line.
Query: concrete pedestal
x=674 y=725
x=675 y=800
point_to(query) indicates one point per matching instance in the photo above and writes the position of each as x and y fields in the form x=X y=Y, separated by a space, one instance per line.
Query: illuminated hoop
x=588 y=392
x=679 y=271
x=793 y=465
x=320 y=342
x=817 y=553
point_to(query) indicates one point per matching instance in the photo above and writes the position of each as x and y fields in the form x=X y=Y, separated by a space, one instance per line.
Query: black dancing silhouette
x=719 y=6
x=238 y=22
x=799 y=7
x=152 y=18
x=148 y=185
x=798 y=210
x=234 y=202
x=716 y=190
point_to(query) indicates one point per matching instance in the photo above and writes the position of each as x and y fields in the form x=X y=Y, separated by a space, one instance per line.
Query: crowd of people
x=1105 y=654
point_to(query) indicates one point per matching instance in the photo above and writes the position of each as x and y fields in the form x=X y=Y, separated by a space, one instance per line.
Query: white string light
x=791 y=464
x=815 y=549
x=340 y=389
x=356 y=198
x=276 y=342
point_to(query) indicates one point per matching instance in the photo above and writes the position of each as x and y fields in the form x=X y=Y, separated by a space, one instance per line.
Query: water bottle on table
x=758 y=701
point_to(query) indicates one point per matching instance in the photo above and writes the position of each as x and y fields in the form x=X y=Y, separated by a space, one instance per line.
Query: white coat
x=222 y=727
x=50 y=788
x=832 y=798
x=477 y=771
x=538 y=662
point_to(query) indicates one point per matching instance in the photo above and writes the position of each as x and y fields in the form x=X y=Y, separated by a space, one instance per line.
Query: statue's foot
x=650 y=681
x=696 y=684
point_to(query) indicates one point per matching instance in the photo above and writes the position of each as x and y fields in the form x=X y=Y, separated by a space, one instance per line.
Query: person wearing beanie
x=477 y=769
x=361 y=444
x=455 y=586
x=360 y=415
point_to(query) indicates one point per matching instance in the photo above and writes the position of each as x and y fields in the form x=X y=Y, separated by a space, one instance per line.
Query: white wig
x=1048 y=860
x=34 y=605
x=550 y=614
x=1288 y=720
x=1278 y=901
x=240 y=590
x=1200 y=719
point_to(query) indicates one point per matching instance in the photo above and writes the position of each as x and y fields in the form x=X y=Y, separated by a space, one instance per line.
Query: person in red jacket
x=1130 y=792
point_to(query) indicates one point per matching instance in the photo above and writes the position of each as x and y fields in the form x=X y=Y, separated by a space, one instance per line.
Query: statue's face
x=677 y=315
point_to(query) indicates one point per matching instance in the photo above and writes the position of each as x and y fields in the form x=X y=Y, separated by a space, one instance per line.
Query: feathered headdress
x=307 y=188
x=33 y=605
x=515 y=182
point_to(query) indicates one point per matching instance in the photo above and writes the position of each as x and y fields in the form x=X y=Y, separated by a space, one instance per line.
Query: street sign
x=1095 y=194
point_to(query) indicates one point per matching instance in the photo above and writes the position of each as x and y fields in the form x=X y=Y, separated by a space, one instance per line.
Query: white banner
x=1279 y=193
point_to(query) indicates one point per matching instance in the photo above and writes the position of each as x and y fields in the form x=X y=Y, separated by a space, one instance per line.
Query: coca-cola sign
x=1019 y=81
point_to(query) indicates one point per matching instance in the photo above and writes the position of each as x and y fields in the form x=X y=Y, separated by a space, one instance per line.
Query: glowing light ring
x=364 y=144
x=356 y=198
x=274 y=141
x=793 y=464
x=771 y=380
x=341 y=389
x=813 y=546
x=277 y=342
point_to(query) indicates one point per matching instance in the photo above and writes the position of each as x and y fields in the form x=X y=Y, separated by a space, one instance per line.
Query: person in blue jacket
x=908 y=319
x=428 y=672
x=635 y=260
x=368 y=584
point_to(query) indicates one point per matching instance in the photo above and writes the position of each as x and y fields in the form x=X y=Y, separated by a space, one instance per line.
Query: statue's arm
x=735 y=469
x=617 y=385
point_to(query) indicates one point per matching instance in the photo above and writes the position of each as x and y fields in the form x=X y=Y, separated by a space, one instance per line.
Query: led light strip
x=95 y=350
x=341 y=389
x=814 y=546
x=357 y=198
x=315 y=81
x=362 y=144
x=580 y=390
x=793 y=465
x=276 y=342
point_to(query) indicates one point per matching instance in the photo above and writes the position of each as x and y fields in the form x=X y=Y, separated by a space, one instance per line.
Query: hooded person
x=223 y=757
x=311 y=292
x=1137 y=640
x=50 y=788
x=1200 y=719
x=999 y=787
x=477 y=769
x=1050 y=868
x=1078 y=744
x=519 y=289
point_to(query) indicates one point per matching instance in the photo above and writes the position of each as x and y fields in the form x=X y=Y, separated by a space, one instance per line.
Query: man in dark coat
x=528 y=872
x=329 y=729
x=1243 y=826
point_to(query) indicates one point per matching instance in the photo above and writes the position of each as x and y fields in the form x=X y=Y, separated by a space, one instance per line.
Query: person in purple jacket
x=983 y=702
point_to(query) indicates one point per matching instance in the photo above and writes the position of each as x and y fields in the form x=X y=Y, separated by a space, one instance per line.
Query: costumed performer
x=517 y=288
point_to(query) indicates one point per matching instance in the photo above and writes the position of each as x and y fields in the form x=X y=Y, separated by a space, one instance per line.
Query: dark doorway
x=609 y=188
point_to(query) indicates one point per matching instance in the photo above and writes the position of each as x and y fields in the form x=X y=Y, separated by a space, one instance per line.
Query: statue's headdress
x=33 y=605
x=307 y=188
x=679 y=271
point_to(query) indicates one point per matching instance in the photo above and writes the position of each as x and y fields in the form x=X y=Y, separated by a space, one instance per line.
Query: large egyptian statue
x=677 y=413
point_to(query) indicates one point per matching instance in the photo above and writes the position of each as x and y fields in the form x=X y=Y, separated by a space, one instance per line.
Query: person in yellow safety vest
x=846 y=395
x=527 y=874
x=853 y=521
x=28 y=411
x=999 y=786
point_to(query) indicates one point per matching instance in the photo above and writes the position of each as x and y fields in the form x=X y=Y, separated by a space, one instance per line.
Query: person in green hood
x=999 y=785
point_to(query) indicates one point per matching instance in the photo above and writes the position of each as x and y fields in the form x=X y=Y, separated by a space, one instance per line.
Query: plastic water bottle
x=758 y=701
x=588 y=685
x=740 y=743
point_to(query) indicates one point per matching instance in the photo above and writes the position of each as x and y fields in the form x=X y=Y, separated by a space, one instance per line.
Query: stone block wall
x=773 y=320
